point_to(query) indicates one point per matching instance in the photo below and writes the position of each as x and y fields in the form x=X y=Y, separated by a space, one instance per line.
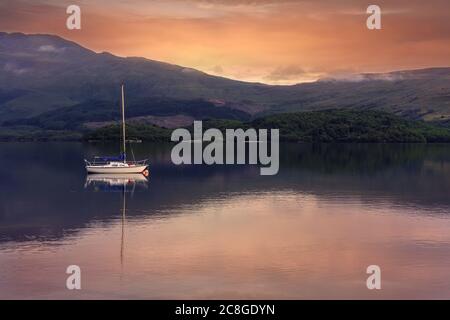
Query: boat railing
x=139 y=163
x=99 y=162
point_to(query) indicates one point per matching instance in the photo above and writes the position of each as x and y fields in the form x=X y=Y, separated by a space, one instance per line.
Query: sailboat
x=118 y=164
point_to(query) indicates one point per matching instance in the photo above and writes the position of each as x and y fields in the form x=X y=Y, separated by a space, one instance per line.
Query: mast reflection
x=123 y=183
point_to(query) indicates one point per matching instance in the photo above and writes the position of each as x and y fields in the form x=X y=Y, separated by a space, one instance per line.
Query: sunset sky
x=271 y=41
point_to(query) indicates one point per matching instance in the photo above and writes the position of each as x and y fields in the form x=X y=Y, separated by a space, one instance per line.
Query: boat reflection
x=116 y=182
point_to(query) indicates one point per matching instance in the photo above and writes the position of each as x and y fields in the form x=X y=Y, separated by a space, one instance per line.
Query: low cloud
x=190 y=70
x=13 y=68
x=217 y=69
x=364 y=77
x=286 y=73
x=292 y=74
x=50 y=48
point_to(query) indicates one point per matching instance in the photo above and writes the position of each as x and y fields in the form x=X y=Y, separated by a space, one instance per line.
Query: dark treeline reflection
x=44 y=193
x=361 y=158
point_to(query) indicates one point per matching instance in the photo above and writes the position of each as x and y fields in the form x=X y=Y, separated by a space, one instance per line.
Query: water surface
x=202 y=232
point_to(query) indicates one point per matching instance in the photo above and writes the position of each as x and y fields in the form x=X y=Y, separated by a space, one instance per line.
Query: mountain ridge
x=45 y=73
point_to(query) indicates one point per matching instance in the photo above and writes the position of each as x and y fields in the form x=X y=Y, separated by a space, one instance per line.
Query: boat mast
x=123 y=126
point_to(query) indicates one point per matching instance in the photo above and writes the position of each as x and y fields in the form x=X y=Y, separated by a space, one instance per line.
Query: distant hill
x=42 y=73
x=317 y=126
x=48 y=83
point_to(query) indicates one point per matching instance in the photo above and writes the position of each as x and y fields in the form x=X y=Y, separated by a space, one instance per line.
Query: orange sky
x=271 y=41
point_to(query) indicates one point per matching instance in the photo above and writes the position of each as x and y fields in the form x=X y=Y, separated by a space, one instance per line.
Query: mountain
x=43 y=73
x=49 y=82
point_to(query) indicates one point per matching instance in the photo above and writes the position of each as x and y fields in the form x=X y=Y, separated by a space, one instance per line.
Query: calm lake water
x=202 y=232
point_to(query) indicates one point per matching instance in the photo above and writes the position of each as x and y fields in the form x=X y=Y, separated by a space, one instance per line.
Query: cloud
x=217 y=69
x=286 y=73
x=352 y=77
x=13 y=68
x=292 y=74
x=50 y=48
x=189 y=70
x=242 y=2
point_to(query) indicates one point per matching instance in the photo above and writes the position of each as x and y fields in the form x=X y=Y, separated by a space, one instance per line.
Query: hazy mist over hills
x=50 y=76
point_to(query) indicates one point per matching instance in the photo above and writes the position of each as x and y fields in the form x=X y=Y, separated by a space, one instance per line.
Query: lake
x=226 y=232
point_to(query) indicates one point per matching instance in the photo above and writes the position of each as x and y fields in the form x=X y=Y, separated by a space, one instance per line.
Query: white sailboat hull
x=119 y=177
x=116 y=170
